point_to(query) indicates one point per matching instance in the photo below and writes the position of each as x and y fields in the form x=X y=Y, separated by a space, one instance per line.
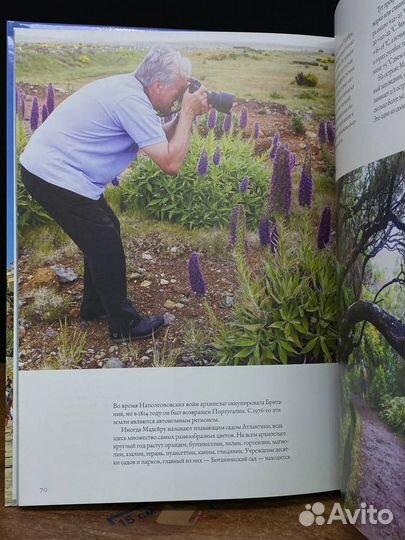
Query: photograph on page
x=370 y=165
x=371 y=254
x=128 y=257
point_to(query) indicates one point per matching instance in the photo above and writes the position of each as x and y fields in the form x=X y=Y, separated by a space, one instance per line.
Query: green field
x=249 y=74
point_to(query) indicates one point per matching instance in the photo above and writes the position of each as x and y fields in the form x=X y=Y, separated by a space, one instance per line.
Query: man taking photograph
x=89 y=140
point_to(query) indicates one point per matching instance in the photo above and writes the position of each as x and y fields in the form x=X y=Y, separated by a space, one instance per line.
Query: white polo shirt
x=93 y=135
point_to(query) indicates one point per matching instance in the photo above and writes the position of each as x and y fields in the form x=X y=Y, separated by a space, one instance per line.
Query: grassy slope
x=247 y=74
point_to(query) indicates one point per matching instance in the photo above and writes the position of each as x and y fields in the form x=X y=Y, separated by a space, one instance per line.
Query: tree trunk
x=390 y=327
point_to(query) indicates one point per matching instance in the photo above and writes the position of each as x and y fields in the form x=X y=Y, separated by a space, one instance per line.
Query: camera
x=221 y=101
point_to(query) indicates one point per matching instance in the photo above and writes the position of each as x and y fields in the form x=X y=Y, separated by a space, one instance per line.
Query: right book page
x=370 y=172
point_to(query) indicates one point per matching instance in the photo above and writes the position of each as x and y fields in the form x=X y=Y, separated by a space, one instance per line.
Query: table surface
x=253 y=519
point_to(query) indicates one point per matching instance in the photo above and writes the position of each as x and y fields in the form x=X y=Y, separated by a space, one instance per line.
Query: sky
x=389 y=262
x=133 y=36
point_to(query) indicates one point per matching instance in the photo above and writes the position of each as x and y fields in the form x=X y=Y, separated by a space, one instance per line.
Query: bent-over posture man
x=89 y=140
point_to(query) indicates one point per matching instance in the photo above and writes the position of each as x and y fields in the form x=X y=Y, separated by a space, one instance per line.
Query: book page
x=370 y=162
x=230 y=390
x=370 y=85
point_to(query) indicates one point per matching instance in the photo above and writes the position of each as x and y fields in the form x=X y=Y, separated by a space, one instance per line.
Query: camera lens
x=222 y=101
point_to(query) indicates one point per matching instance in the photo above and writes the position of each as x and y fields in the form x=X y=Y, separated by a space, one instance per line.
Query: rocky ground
x=157 y=284
x=157 y=279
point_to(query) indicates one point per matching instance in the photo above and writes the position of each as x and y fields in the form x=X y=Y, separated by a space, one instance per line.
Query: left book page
x=230 y=248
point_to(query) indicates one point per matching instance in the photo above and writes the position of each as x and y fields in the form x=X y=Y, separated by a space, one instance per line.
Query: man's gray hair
x=162 y=63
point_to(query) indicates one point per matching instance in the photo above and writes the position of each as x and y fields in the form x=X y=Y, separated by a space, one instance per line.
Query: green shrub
x=29 y=213
x=71 y=345
x=113 y=196
x=307 y=79
x=355 y=379
x=200 y=201
x=288 y=313
x=297 y=125
x=328 y=157
x=197 y=343
x=394 y=413
x=308 y=94
x=47 y=305
x=379 y=387
x=83 y=59
x=276 y=95
x=395 y=372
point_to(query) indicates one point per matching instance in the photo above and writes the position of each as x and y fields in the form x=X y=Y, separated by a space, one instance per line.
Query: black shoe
x=143 y=329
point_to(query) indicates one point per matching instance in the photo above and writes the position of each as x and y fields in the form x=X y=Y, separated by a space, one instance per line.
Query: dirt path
x=383 y=474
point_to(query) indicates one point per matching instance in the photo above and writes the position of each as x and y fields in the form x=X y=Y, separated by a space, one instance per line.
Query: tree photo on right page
x=371 y=289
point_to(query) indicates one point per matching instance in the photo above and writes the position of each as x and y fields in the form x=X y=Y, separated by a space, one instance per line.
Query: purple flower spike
x=293 y=160
x=50 y=98
x=264 y=231
x=330 y=131
x=322 y=134
x=275 y=145
x=212 y=119
x=44 y=112
x=243 y=119
x=256 y=133
x=202 y=167
x=217 y=156
x=34 y=114
x=324 y=228
x=21 y=107
x=305 y=191
x=196 y=277
x=233 y=226
x=115 y=181
x=306 y=187
x=227 y=122
x=244 y=185
x=274 y=239
x=281 y=184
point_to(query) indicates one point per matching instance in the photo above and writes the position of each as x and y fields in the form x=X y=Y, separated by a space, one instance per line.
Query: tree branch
x=390 y=327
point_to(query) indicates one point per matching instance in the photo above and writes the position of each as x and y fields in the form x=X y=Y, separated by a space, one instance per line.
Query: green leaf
x=244 y=353
x=325 y=349
x=278 y=324
x=240 y=342
x=286 y=346
x=252 y=327
x=282 y=354
x=309 y=346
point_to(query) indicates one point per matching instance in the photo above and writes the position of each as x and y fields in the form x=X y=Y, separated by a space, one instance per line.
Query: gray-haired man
x=89 y=140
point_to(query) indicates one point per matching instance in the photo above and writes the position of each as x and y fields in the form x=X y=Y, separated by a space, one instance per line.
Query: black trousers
x=95 y=229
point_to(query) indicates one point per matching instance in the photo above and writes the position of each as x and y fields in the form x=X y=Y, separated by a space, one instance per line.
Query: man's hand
x=195 y=103
x=169 y=156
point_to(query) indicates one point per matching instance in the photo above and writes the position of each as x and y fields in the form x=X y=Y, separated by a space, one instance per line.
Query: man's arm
x=170 y=127
x=170 y=155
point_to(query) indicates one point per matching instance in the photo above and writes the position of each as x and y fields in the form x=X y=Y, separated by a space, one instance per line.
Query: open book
x=273 y=248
